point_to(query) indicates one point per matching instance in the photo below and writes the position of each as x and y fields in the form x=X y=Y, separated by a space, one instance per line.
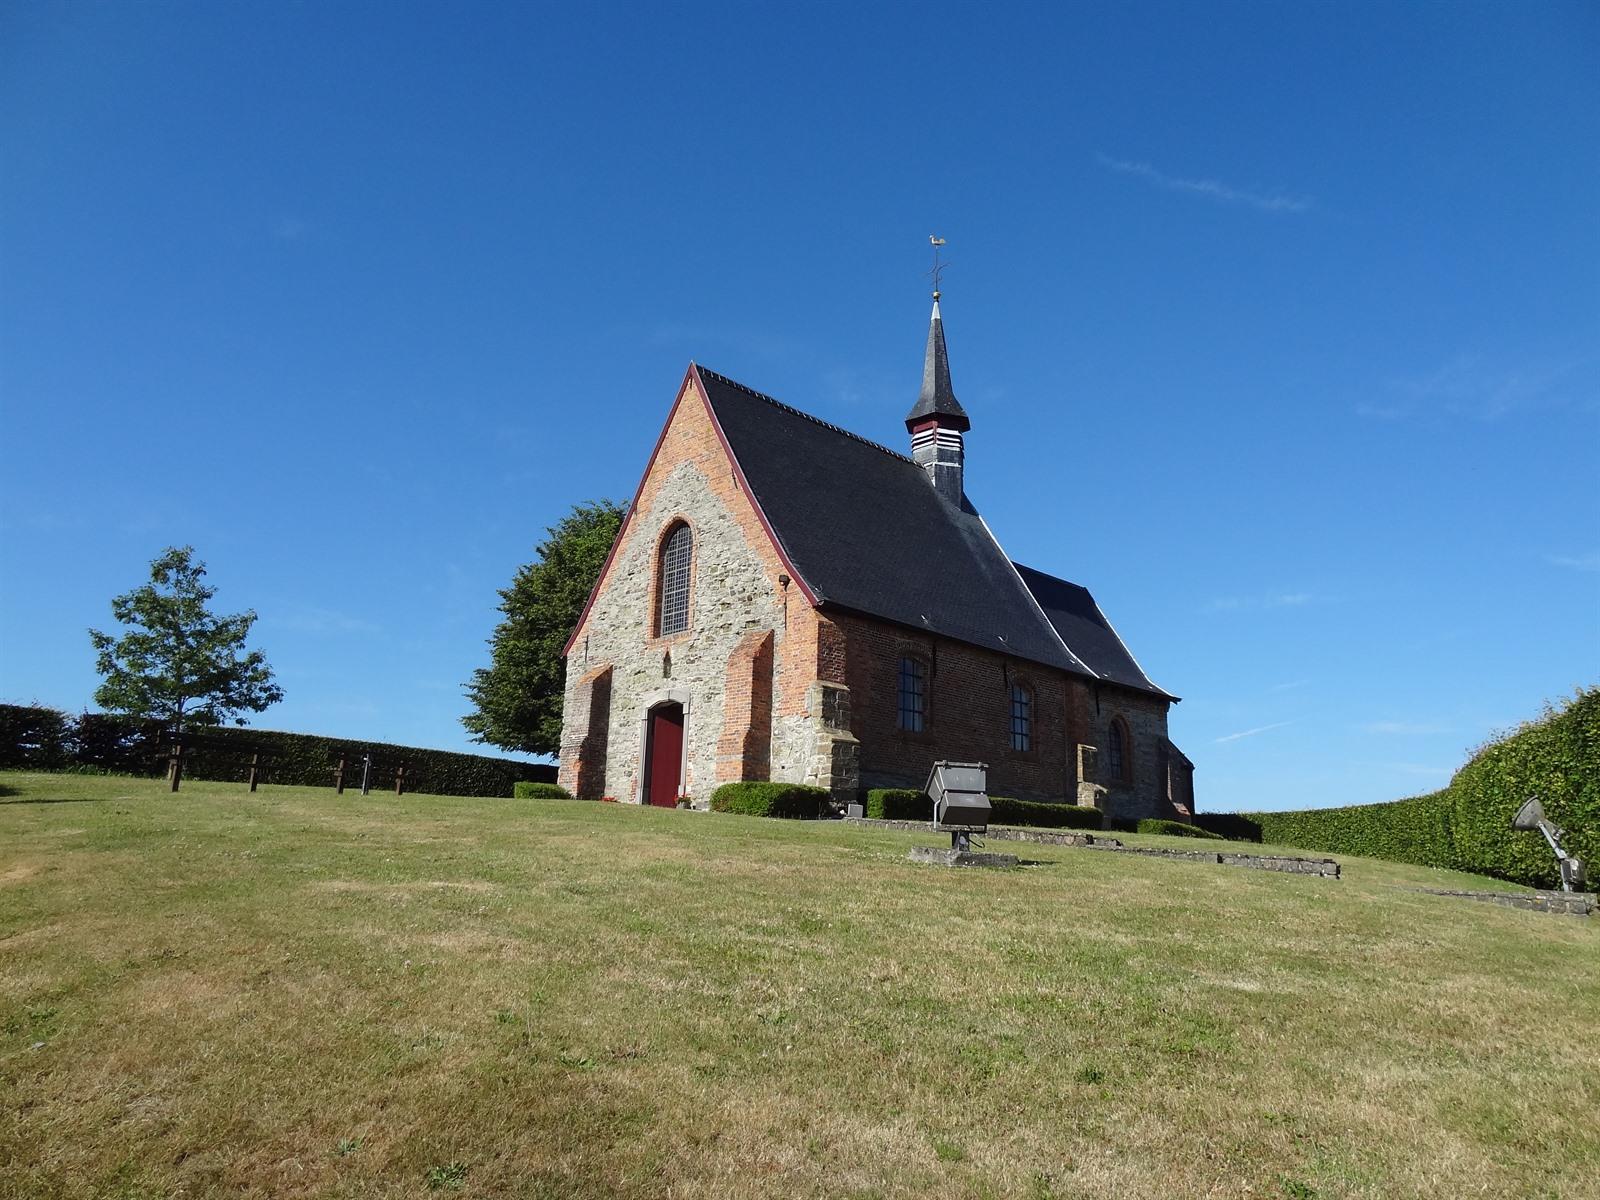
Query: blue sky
x=1277 y=325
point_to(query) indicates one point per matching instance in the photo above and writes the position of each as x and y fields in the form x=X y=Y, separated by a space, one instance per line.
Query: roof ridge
x=789 y=408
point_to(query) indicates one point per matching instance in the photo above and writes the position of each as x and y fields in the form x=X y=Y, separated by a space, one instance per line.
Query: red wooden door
x=666 y=755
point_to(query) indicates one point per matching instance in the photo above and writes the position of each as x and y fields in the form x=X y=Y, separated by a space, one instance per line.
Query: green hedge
x=1005 y=811
x=907 y=804
x=1467 y=826
x=34 y=737
x=121 y=745
x=898 y=804
x=1172 y=828
x=537 y=790
x=753 y=799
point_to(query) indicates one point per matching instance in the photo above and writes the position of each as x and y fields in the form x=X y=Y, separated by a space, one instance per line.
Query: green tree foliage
x=517 y=699
x=178 y=662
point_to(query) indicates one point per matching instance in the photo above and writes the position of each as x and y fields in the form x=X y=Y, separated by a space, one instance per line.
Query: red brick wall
x=968 y=712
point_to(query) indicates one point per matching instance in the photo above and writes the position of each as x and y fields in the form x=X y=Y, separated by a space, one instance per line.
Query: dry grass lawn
x=290 y=994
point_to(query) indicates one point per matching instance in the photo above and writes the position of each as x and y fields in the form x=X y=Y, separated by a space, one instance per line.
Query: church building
x=789 y=601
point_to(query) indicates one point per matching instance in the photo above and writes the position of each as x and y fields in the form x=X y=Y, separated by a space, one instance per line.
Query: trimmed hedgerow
x=1003 y=810
x=125 y=745
x=907 y=804
x=32 y=736
x=1557 y=758
x=1172 y=828
x=1467 y=826
x=1416 y=830
x=1236 y=827
x=795 y=801
x=899 y=804
x=535 y=789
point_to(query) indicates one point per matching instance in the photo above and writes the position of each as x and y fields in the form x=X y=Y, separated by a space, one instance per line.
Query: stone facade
x=757 y=669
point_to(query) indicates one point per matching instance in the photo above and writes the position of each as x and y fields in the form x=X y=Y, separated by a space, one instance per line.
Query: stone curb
x=1324 y=868
x=1566 y=904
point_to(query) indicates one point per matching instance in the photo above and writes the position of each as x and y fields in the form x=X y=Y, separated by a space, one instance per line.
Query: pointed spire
x=938 y=399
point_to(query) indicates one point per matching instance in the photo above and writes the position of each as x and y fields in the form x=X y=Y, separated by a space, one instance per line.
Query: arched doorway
x=663 y=755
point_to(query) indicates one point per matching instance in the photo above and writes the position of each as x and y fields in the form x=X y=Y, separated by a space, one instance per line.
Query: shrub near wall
x=906 y=804
x=753 y=799
x=540 y=791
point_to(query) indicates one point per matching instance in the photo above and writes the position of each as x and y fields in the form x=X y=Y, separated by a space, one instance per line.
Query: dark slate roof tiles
x=866 y=532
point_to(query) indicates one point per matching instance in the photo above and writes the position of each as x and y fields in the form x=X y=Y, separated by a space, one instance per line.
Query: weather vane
x=938 y=267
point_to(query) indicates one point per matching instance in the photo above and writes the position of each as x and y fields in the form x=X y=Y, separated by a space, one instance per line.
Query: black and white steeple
x=938 y=420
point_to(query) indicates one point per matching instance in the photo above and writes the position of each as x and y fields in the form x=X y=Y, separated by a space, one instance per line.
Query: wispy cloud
x=1407 y=728
x=1468 y=388
x=1270 y=600
x=1274 y=201
x=1290 y=686
x=1576 y=562
x=1244 y=733
x=308 y=618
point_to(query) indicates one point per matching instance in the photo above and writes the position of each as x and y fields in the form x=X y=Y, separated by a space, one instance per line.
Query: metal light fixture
x=1530 y=817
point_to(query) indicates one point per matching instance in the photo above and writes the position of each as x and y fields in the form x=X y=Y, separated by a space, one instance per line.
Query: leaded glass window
x=1021 y=718
x=677 y=554
x=913 y=695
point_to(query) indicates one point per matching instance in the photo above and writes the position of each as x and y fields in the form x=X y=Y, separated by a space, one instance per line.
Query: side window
x=672 y=601
x=1118 y=751
x=913 y=713
x=1021 y=717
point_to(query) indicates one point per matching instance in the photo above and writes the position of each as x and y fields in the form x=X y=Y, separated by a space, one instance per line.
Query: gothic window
x=1021 y=717
x=672 y=603
x=913 y=695
x=1117 y=751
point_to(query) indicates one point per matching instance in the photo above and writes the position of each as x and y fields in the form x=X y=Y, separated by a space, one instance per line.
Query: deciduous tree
x=517 y=698
x=178 y=662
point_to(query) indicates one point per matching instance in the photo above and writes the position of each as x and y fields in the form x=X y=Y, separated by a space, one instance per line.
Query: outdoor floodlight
x=1530 y=817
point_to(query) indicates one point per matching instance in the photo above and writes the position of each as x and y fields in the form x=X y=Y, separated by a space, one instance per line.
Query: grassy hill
x=290 y=994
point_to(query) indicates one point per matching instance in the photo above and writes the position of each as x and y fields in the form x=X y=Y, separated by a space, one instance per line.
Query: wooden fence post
x=255 y=770
x=400 y=780
x=338 y=779
x=175 y=764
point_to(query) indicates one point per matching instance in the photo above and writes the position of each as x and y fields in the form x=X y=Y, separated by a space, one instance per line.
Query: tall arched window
x=913 y=712
x=1117 y=757
x=672 y=599
x=1021 y=717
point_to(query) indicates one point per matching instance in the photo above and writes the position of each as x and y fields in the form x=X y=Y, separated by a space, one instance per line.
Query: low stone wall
x=1569 y=904
x=1325 y=868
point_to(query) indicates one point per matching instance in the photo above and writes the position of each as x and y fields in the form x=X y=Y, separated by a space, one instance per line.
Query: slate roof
x=938 y=397
x=1074 y=615
x=866 y=532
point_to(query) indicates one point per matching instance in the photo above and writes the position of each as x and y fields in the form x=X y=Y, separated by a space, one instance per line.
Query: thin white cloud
x=1409 y=728
x=1270 y=600
x=309 y=618
x=1576 y=562
x=1210 y=189
x=1244 y=733
x=1290 y=686
x=1467 y=387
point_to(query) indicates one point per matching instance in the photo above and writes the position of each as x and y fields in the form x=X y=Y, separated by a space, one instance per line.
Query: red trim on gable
x=744 y=486
x=632 y=508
